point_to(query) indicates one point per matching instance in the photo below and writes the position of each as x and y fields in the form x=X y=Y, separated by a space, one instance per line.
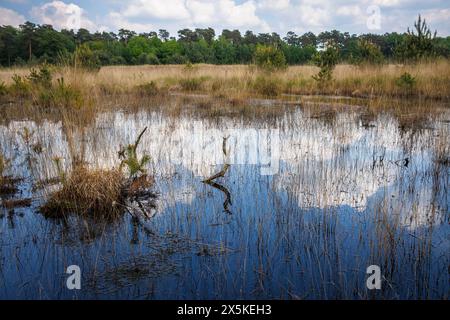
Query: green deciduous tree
x=269 y=58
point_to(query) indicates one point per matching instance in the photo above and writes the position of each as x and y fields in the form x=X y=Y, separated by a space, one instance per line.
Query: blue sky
x=363 y=16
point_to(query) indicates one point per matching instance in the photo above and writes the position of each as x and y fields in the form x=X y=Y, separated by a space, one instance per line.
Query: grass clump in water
x=101 y=192
x=86 y=191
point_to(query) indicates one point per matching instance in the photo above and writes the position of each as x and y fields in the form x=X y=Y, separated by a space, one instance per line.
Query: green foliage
x=43 y=77
x=224 y=51
x=368 y=52
x=297 y=54
x=326 y=60
x=20 y=86
x=418 y=44
x=3 y=89
x=269 y=58
x=61 y=95
x=65 y=95
x=406 y=82
x=85 y=58
x=32 y=44
x=134 y=164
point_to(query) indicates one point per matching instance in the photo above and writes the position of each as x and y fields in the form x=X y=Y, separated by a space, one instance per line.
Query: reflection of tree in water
x=221 y=173
x=227 y=193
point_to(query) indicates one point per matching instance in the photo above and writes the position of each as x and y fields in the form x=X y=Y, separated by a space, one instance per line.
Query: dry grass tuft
x=85 y=191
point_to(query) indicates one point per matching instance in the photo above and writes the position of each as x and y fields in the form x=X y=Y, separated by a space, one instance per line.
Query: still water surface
x=305 y=207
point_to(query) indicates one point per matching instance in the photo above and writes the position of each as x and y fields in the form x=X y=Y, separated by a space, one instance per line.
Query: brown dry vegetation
x=87 y=191
x=240 y=81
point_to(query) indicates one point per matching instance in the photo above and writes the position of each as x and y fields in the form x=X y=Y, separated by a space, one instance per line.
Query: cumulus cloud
x=274 y=4
x=120 y=22
x=10 y=17
x=257 y=15
x=349 y=10
x=166 y=9
x=62 y=15
x=192 y=13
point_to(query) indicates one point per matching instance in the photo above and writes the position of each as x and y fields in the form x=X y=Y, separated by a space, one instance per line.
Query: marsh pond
x=309 y=200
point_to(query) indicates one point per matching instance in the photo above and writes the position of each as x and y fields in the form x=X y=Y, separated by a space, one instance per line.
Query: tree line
x=33 y=43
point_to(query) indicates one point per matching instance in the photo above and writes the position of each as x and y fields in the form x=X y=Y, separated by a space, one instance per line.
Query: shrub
x=131 y=159
x=267 y=86
x=419 y=44
x=20 y=86
x=269 y=58
x=326 y=60
x=367 y=52
x=406 y=82
x=61 y=95
x=146 y=58
x=42 y=78
x=85 y=58
x=3 y=89
x=66 y=96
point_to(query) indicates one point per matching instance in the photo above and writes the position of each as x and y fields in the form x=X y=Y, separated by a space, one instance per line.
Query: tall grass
x=432 y=79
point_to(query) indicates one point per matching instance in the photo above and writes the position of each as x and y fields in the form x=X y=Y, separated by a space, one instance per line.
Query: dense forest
x=32 y=43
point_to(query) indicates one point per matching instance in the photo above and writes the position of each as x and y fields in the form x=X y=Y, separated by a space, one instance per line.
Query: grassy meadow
x=424 y=80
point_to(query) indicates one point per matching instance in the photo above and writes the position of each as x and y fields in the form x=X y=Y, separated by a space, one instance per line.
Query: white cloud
x=437 y=15
x=274 y=4
x=314 y=16
x=387 y=3
x=166 y=9
x=257 y=15
x=10 y=17
x=349 y=11
x=62 y=16
x=121 y=22
x=243 y=15
x=191 y=13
